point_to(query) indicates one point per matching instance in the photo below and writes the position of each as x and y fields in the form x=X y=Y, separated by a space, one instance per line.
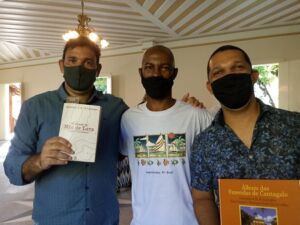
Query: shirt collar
x=97 y=95
x=264 y=109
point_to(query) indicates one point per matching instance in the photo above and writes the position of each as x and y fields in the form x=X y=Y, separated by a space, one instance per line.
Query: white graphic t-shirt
x=158 y=146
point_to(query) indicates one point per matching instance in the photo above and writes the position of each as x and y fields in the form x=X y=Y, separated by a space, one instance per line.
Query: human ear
x=99 y=67
x=175 y=71
x=61 y=65
x=254 y=76
x=208 y=86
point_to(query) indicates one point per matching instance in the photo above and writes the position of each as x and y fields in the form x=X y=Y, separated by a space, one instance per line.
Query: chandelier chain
x=83 y=29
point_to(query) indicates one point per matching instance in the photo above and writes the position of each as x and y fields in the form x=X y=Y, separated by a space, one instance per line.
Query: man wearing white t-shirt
x=157 y=136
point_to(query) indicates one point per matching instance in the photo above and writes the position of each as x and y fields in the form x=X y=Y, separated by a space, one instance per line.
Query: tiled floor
x=16 y=201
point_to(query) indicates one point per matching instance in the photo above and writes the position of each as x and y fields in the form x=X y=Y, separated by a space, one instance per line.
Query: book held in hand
x=79 y=125
x=259 y=202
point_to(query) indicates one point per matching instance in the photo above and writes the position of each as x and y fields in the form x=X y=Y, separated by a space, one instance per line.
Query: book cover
x=79 y=125
x=259 y=202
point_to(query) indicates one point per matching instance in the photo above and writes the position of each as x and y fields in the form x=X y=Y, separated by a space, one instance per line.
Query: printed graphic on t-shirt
x=168 y=145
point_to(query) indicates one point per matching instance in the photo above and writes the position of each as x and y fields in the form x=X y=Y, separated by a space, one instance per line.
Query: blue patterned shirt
x=274 y=153
x=77 y=193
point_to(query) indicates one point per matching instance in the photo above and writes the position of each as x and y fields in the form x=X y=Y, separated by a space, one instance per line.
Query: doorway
x=10 y=103
x=14 y=104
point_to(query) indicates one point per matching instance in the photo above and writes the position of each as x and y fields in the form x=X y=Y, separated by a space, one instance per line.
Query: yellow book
x=259 y=202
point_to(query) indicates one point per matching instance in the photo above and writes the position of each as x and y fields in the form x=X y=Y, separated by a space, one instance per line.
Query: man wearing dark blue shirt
x=247 y=138
x=68 y=192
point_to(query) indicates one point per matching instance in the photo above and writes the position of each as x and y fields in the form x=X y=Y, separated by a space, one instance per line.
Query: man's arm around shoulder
x=205 y=208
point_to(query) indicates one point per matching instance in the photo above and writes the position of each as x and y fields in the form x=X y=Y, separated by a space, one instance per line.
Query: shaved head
x=161 y=49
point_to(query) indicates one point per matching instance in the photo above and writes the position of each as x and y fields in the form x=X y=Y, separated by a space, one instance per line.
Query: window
x=266 y=88
x=103 y=83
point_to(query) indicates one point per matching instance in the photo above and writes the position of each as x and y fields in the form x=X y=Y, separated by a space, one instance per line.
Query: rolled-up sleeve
x=23 y=145
x=201 y=176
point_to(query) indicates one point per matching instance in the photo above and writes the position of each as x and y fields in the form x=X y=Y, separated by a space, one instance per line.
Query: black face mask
x=79 y=78
x=157 y=87
x=233 y=90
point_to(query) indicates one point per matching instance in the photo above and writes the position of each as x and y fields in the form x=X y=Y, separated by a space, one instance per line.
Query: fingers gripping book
x=80 y=125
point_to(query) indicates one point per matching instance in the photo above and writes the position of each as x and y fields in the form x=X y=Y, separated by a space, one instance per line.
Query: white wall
x=289 y=85
x=34 y=79
x=191 y=62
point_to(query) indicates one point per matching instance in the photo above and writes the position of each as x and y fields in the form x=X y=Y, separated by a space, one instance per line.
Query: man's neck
x=244 y=116
x=161 y=104
x=83 y=96
x=243 y=121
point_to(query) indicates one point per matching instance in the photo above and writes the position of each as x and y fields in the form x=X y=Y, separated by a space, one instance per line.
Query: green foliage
x=137 y=143
x=179 y=142
x=101 y=84
x=267 y=73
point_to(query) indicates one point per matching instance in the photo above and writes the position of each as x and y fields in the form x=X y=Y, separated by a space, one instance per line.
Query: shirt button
x=250 y=156
x=87 y=209
x=87 y=187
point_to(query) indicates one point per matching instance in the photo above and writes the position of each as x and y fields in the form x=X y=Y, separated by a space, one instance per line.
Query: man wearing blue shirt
x=68 y=192
x=247 y=138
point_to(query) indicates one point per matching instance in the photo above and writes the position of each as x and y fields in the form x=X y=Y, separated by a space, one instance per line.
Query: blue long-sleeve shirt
x=77 y=193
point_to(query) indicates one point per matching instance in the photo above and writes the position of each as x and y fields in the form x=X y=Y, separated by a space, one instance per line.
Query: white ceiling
x=31 y=30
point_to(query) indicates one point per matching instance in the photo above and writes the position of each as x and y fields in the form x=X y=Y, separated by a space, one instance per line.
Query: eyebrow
x=71 y=57
x=218 y=67
x=239 y=61
x=75 y=57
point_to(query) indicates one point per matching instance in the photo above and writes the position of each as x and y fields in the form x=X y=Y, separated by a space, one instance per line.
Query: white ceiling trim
x=207 y=16
x=229 y=37
x=71 y=20
x=243 y=16
x=184 y=42
x=262 y=15
x=224 y=16
x=33 y=28
x=290 y=17
x=148 y=3
x=194 y=13
x=150 y=17
x=19 y=54
x=162 y=9
x=277 y=15
x=178 y=11
x=74 y=8
x=7 y=51
x=3 y=56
